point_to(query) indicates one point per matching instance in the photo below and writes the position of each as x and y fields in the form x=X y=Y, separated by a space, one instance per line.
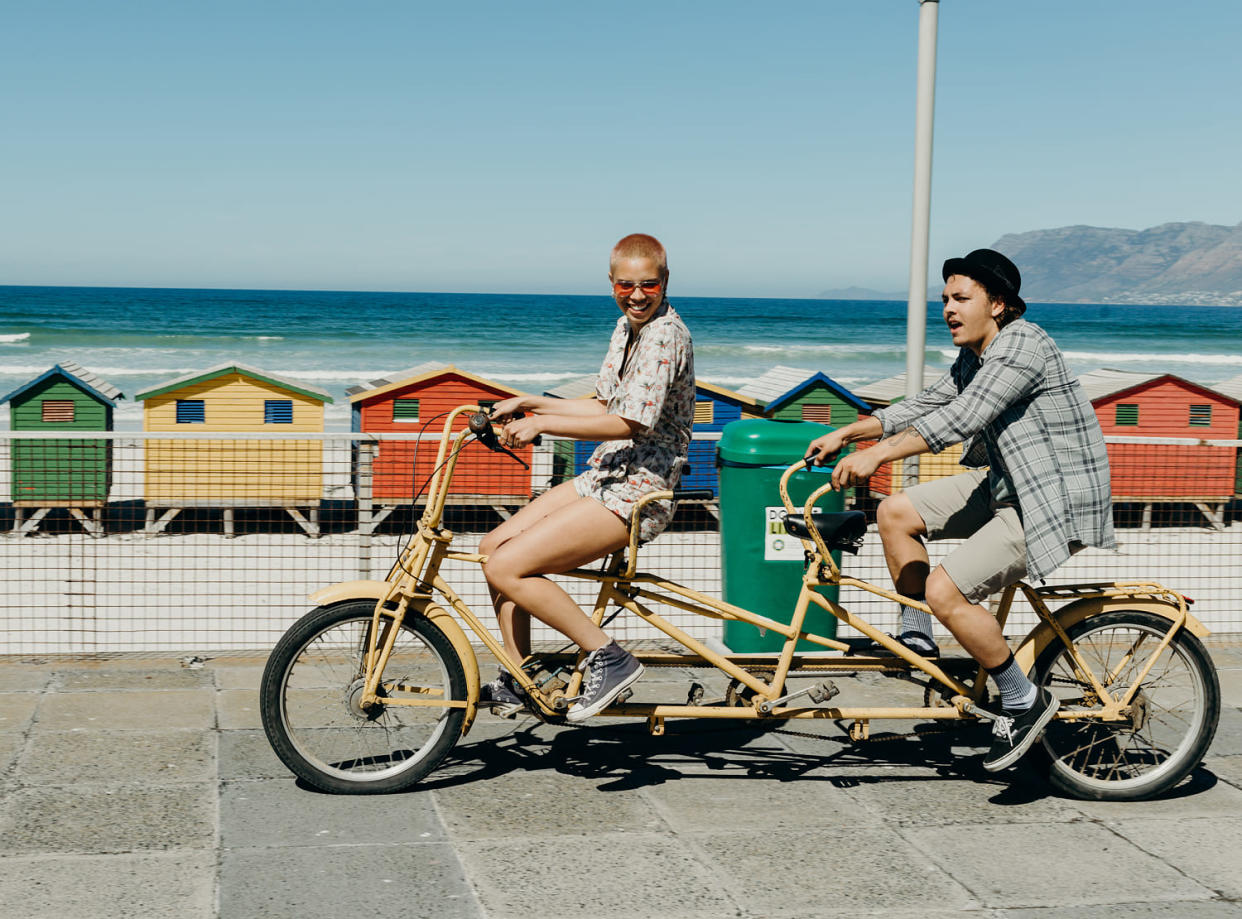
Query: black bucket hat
x=991 y=268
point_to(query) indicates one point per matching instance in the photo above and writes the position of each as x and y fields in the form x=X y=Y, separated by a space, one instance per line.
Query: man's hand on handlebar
x=822 y=449
x=855 y=469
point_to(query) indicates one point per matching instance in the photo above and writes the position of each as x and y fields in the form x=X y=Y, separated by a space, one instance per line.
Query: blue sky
x=496 y=146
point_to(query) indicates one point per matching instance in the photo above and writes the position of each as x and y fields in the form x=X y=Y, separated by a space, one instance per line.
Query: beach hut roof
x=1231 y=387
x=427 y=371
x=884 y=392
x=93 y=385
x=774 y=382
x=220 y=370
x=1100 y=384
x=577 y=388
x=802 y=379
x=728 y=395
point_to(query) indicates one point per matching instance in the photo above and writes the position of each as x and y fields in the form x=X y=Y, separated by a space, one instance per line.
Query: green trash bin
x=761 y=564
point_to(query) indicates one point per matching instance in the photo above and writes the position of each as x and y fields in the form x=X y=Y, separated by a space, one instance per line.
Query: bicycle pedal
x=695 y=695
x=623 y=696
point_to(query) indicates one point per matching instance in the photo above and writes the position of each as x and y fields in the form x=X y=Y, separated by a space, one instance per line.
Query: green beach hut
x=69 y=473
x=793 y=394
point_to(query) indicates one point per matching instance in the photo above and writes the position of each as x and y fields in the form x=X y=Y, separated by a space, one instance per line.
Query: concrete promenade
x=137 y=786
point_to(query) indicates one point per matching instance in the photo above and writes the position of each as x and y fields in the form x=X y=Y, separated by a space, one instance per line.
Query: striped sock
x=915 y=620
x=1017 y=692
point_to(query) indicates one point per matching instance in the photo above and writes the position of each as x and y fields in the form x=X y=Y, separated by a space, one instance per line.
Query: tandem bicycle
x=370 y=690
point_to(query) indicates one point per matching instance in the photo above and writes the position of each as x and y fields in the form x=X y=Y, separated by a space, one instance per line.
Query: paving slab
x=631 y=875
x=132 y=758
x=328 y=882
x=1201 y=795
x=822 y=872
x=23 y=678
x=11 y=743
x=98 y=819
x=238 y=709
x=94 y=680
x=1226 y=768
x=1078 y=863
x=918 y=801
x=281 y=812
x=164 y=885
x=17 y=709
x=541 y=803
x=137 y=710
x=246 y=754
x=745 y=804
x=1205 y=849
x=1183 y=909
x=238 y=676
x=1228 y=739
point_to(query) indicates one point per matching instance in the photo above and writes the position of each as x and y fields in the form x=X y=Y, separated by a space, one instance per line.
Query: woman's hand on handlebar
x=519 y=432
x=506 y=408
x=822 y=449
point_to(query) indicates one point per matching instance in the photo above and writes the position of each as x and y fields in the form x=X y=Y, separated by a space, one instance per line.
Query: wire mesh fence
x=148 y=542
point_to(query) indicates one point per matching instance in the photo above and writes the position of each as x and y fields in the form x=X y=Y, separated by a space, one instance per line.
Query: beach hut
x=1143 y=406
x=73 y=474
x=1233 y=389
x=416 y=401
x=794 y=394
x=284 y=472
x=714 y=407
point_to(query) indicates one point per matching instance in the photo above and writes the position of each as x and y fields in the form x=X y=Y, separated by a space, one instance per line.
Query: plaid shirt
x=1020 y=401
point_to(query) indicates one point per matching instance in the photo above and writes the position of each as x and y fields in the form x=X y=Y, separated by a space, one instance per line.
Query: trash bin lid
x=765 y=442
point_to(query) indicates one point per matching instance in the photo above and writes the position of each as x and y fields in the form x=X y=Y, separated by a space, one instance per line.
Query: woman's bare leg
x=515 y=621
x=571 y=535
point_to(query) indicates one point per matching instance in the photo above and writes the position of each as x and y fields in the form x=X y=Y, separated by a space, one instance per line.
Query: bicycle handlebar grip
x=692 y=494
x=481 y=427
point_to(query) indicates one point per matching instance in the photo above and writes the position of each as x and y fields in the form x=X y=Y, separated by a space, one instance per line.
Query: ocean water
x=138 y=338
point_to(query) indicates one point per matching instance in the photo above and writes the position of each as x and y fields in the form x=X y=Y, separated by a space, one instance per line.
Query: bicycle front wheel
x=1173 y=714
x=310 y=700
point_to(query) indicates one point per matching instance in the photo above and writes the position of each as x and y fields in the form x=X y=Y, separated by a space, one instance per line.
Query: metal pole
x=916 y=309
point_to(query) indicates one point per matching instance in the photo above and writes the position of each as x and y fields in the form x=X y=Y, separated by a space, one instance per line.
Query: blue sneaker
x=609 y=671
x=503 y=695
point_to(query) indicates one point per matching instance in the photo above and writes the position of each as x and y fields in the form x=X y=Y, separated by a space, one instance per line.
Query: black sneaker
x=502 y=695
x=609 y=670
x=913 y=641
x=1014 y=732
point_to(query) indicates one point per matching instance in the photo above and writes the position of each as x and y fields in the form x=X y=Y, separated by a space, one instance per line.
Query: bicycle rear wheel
x=312 y=714
x=1174 y=717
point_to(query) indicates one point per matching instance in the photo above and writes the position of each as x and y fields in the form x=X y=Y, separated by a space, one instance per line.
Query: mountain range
x=1176 y=263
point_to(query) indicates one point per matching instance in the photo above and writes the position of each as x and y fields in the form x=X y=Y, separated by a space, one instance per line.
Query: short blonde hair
x=639 y=245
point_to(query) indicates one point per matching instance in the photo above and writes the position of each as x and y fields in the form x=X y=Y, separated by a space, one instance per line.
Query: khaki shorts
x=961 y=507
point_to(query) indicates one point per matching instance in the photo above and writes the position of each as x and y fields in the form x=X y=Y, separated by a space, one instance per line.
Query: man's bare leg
x=901 y=531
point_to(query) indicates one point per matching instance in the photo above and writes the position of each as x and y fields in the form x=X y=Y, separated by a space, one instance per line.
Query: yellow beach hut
x=223 y=472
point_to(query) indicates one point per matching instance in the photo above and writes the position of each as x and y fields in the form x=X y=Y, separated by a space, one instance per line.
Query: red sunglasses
x=625 y=288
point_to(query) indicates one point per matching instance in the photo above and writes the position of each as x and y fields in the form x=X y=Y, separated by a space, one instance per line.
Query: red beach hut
x=1138 y=405
x=416 y=401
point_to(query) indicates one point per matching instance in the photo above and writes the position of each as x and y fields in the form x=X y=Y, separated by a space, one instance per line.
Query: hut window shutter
x=487 y=405
x=1200 y=415
x=1127 y=414
x=704 y=412
x=191 y=411
x=404 y=409
x=821 y=414
x=278 y=411
x=58 y=410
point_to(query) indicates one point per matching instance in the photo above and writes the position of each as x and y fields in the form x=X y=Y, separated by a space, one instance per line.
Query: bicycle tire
x=309 y=696
x=1177 y=709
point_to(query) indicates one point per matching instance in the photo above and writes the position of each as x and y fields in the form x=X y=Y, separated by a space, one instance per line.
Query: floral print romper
x=655 y=387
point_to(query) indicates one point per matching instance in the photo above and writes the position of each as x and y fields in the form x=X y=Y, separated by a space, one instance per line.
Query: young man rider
x=1037 y=489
